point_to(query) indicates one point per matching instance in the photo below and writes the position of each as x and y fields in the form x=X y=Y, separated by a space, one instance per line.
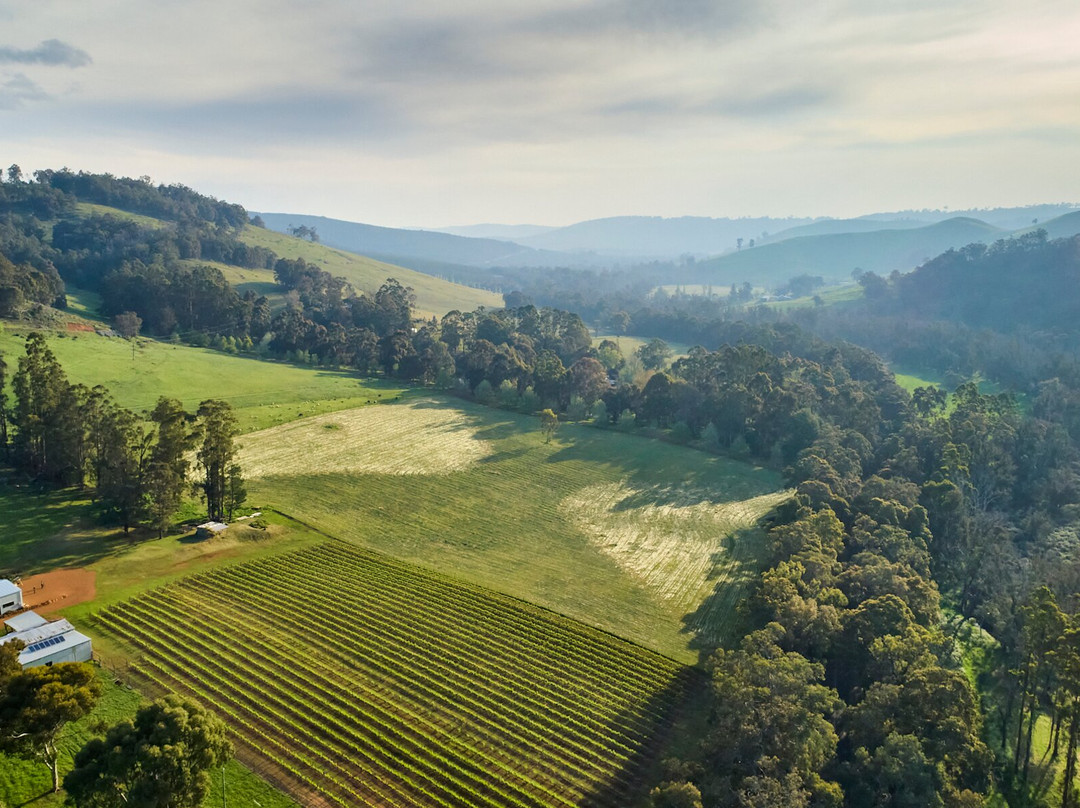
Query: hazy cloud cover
x=49 y=52
x=415 y=112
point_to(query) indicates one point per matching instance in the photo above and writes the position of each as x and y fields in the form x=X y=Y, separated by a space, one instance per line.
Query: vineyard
x=366 y=682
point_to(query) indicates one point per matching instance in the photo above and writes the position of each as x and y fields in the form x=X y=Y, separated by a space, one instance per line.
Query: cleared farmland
x=531 y=519
x=390 y=686
x=429 y=440
x=672 y=540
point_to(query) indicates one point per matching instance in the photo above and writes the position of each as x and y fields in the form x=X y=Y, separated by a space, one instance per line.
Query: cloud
x=50 y=52
x=18 y=89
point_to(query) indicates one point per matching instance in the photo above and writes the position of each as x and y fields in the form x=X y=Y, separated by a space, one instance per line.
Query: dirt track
x=52 y=591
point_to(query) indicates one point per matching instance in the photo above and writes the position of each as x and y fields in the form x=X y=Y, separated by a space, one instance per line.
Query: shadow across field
x=718 y=622
x=44 y=529
x=631 y=784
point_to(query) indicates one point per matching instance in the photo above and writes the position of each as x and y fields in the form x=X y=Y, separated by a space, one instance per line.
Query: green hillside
x=433 y=295
x=835 y=256
x=264 y=393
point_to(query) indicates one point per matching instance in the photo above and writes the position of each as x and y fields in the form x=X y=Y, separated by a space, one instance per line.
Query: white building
x=47 y=643
x=10 y=597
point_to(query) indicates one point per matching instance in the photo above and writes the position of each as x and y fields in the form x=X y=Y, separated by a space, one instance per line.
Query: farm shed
x=27 y=620
x=48 y=643
x=208 y=530
x=10 y=597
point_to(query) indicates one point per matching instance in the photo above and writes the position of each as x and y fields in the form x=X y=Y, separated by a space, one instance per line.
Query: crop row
x=471 y=650
x=401 y=729
x=393 y=687
x=421 y=679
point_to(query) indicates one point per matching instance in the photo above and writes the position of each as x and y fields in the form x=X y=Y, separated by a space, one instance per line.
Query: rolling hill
x=434 y=296
x=835 y=256
x=655 y=237
x=405 y=246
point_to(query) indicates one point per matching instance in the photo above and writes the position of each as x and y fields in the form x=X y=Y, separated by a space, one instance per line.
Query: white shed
x=25 y=621
x=48 y=643
x=10 y=597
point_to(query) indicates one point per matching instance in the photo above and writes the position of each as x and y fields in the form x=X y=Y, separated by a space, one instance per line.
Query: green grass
x=90 y=209
x=29 y=782
x=264 y=393
x=832 y=295
x=433 y=295
x=511 y=519
x=400 y=688
x=259 y=281
x=629 y=345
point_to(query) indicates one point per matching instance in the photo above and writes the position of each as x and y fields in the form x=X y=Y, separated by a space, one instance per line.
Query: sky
x=434 y=113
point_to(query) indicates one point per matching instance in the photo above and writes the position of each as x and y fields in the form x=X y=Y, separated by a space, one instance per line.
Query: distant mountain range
x=763 y=250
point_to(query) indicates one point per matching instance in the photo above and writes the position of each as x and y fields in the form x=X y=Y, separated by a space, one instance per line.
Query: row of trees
x=71 y=435
x=160 y=759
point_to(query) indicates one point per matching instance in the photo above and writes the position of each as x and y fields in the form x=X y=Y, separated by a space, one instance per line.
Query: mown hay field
x=648 y=540
x=366 y=682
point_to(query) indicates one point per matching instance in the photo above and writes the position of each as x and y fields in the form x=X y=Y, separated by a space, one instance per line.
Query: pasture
x=590 y=525
x=434 y=296
x=473 y=699
x=263 y=393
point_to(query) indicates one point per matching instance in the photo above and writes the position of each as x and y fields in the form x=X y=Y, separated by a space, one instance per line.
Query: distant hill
x=1061 y=227
x=504 y=232
x=1006 y=218
x=834 y=256
x=403 y=247
x=646 y=237
x=827 y=227
x=1024 y=283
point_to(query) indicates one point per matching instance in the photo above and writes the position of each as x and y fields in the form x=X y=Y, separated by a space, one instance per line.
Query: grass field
x=588 y=525
x=829 y=295
x=392 y=687
x=629 y=345
x=263 y=393
x=433 y=295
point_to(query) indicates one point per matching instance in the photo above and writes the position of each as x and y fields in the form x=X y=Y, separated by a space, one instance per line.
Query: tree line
x=71 y=435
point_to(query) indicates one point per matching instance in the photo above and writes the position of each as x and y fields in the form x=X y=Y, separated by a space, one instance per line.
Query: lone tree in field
x=37 y=703
x=162 y=759
x=216 y=454
x=549 y=422
x=127 y=324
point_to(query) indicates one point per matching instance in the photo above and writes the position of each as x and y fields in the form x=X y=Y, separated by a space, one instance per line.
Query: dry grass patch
x=674 y=541
x=399 y=439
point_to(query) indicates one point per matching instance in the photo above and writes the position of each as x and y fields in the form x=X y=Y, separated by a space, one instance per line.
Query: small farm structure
x=47 y=642
x=10 y=597
x=207 y=530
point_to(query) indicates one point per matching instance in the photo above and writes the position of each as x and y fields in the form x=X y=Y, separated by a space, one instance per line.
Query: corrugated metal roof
x=38 y=633
x=24 y=621
x=8 y=588
x=53 y=645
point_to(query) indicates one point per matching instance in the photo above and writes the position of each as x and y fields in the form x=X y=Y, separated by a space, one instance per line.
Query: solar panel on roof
x=44 y=644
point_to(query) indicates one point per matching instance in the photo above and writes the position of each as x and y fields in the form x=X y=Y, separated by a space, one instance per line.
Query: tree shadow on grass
x=642 y=770
x=718 y=622
x=47 y=528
